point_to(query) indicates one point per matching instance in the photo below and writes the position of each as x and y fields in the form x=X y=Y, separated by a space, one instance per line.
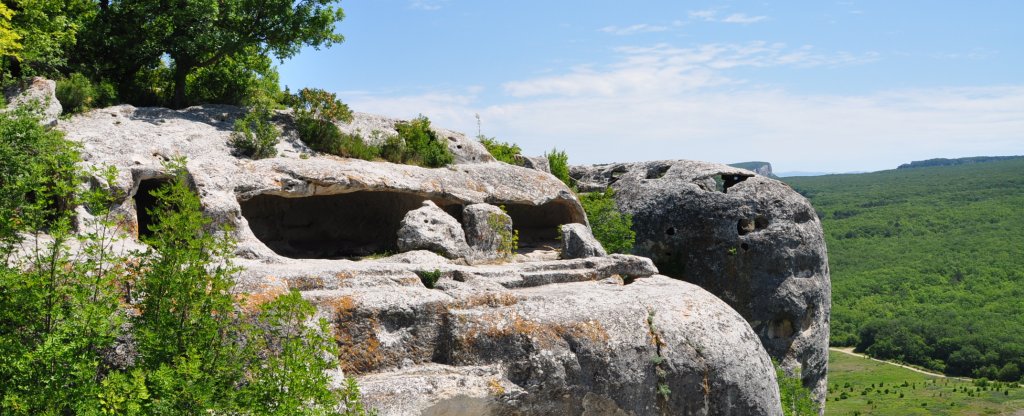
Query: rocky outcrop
x=486 y=226
x=36 y=91
x=750 y=240
x=500 y=339
x=578 y=242
x=426 y=334
x=430 y=228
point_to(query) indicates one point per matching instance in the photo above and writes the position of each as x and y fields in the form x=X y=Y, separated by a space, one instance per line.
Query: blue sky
x=807 y=85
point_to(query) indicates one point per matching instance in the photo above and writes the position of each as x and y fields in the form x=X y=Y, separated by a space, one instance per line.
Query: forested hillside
x=928 y=264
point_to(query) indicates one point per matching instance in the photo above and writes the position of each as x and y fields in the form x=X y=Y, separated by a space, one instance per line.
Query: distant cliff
x=760 y=168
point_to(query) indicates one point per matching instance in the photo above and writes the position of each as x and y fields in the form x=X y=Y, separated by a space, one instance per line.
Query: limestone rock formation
x=750 y=240
x=430 y=228
x=579 y=242
x=526 y=337
x=37 y=91
x=485 y=226
x=534 y=162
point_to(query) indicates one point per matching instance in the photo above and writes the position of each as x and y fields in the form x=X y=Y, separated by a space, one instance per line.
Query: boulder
x=430 y=228
x=751 y=240
x=36 y=91
x=486 y=226
x=579 y=242
x=534 y=162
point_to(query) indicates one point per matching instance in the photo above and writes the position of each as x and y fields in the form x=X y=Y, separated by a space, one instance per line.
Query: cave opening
x=336 y=226
x=538 y=224
x=146 y=202
x=358 y=224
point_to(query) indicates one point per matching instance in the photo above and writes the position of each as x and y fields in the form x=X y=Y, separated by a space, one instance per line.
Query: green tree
x=610 y=226
x=48 y=30
x=10 y=40
x=199 y=34
x=559 y=163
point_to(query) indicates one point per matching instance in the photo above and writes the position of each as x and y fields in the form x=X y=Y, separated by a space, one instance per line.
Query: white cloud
x=428 y=5
x=637 y=28
x=707 y=15
x=664 y=68
x=743 y=19
x=711 y=15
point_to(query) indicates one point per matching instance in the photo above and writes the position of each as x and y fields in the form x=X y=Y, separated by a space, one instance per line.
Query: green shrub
x=508 y=237
x=236 y=80
x=352 y=145
x=393 y=149
x=255 y=136
x=422 y=146
x=796 y=399
x=610 y=226
x=77 y=93
x=504 y=152
x=559 y=162
x=429 y=278
x=316 y=112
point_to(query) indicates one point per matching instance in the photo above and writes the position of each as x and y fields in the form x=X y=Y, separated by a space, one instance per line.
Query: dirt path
x=850 y=352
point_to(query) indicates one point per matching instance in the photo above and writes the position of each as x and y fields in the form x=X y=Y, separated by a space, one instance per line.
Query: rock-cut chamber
x=361 y=223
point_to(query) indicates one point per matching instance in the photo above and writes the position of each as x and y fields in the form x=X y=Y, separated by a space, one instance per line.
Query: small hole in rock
x=451 y=138
x=745 y=246
x=145 y=202
x=729 y=180
x=670 y=231
x=760 y=223
x=628 y=279
x=657 y=172
x=458 y=147
x=744 y=226
x=780 y=327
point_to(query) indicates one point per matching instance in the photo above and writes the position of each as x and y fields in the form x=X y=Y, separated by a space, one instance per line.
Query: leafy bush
x=796 y=399
x=352 y=145
x=316 y=112
x=508 y=237
x=559 y=162
x=610 y=226
x=504 y=152
x=422 y=146
x=77 y=93
x=235 y=80
x=254 y=135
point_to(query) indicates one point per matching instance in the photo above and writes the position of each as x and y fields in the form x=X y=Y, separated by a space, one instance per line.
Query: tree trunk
x=180 y=75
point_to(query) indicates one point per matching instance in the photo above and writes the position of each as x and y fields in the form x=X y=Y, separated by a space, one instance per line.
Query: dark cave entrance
x=145 y=202
x=362 y=223
x=538 y=225
x=333 y=226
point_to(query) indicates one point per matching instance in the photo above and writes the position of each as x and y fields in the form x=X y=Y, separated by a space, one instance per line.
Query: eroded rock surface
x=750 y=240
x=40 y=92
x=579 y=242
x=486 y=226
x=533 y=336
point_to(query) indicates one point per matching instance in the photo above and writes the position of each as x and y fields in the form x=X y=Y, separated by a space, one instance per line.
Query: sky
x=824 y=86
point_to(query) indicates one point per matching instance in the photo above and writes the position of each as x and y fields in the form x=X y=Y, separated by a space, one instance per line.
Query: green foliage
x=924 y=265
x=508 y=238
x=77 y=93
x=422 y=146
x=10 y=40
x=611 y=227
x=504 y=152
x=47 y=31
x=316 y=112
x=255 y=135
x=559 y=162
x=429 y=278
x=797 y=400
x=127 y=36
x=237 y=80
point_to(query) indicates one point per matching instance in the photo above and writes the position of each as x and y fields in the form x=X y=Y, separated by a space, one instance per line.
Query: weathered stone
x=534 y=162
x=594 y=345
x=36 y=91
x=430 y=228
x=750 y=240
x=485 y=226
x=579 y=242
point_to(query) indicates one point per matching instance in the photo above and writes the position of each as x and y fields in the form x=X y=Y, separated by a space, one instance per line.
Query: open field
x=860 y=386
